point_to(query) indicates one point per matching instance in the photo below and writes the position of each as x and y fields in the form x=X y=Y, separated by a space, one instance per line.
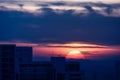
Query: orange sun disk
x=75 y=55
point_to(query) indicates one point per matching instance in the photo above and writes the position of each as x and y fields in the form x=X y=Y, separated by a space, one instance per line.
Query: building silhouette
x=16 y=64
x=58 y=68
x=37 y=71
x=24 y=54
x=7 y=62
x=117 y=70
x=66 y=69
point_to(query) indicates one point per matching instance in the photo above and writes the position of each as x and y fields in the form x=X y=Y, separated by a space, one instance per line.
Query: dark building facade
x=117 y=67
x=37 y=71
x=24 y=54
x=7 y=62
x=11 y=57
x=56 y=69
x=66 y=69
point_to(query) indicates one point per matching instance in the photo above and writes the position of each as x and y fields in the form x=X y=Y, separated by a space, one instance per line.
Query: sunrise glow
x=74 y=50
x=75 y=54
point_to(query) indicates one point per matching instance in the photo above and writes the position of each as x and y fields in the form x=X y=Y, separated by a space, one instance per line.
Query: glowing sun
x=75 y=54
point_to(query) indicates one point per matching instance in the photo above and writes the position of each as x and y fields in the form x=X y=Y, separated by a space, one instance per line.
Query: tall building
x=7 y=62
x=117 y=70
x=56 y=69
x=66 y=69
x=10 y=59
x=24 y=54
x=37 y=71
x=73 y=70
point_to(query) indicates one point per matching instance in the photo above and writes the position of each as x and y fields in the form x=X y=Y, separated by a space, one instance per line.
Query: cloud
x=56 y=45
x=87 y=50
x=83 y=8
x=60 y=22
x=68 y=1
x=72 y=45
x=55 y=28
x=50 y=25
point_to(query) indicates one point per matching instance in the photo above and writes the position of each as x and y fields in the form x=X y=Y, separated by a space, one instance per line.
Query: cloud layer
x=81 y=8
x=52 y=27
x=60 y=22
x=68 y=1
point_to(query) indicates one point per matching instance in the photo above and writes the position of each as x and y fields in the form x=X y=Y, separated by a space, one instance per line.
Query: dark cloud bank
x=59 y=28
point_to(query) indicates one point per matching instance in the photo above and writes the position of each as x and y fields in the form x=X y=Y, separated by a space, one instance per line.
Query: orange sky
x=76 y=50
x=85 y=50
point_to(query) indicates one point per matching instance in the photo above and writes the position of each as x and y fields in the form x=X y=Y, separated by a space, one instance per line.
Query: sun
x=75 y=54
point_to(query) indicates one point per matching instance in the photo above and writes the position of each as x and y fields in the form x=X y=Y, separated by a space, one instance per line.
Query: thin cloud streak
x=60 y=45
x=73 y=45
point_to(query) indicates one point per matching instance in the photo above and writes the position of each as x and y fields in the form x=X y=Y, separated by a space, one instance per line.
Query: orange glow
x=76 y=50
x=74 y=45
x=75 y=54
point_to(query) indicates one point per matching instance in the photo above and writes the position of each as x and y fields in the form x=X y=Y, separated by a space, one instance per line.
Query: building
x=16 y=64
x=7 y=62
x=117 y=70
x=37 y=71
x=24 y=54
x=10 y=59
x=56 y=69
x=73 y=70
x=66 y=69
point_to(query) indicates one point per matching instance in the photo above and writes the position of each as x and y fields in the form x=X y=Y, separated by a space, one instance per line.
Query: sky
x=88 y=29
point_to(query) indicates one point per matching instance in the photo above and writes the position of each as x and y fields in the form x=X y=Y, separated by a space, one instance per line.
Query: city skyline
x=16 y=64
x=19 y=62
